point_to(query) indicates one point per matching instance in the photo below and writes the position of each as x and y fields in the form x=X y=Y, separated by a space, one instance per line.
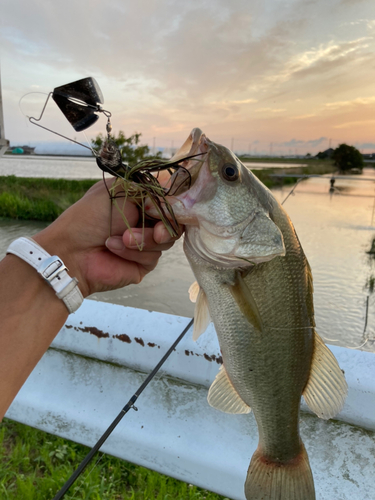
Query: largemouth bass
x=254 y=281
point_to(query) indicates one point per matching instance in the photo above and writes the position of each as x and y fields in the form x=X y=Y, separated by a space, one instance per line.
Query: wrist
x=51 y=268
x=54 y=245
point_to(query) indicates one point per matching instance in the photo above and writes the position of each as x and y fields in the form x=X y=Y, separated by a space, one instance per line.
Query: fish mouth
x=196 y=146
x=180 y=187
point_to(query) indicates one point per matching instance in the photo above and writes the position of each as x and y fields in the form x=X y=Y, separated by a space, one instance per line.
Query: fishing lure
x=81 y=102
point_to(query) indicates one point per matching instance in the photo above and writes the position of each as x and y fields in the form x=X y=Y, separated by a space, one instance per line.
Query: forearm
x=31 y=314
x=31 y=317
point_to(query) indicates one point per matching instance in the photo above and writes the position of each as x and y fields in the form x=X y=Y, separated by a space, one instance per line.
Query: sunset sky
x=286 y=77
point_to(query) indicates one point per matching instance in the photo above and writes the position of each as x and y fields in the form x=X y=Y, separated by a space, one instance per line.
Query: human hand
x=79 y=238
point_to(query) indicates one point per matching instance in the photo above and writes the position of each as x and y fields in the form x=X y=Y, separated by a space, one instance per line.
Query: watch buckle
x=51 y=267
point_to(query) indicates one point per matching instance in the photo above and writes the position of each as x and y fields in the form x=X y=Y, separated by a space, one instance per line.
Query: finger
x=145 y=239
x=145 y=258
x=127 y=273
x=161 y=234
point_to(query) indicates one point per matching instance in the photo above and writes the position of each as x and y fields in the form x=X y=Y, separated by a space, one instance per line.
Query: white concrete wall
x=100 y=358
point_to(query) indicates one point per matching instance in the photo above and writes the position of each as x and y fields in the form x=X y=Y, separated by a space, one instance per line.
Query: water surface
x=336 y=231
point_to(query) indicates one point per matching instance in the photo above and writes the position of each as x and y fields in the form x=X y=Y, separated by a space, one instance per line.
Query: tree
x=347 y=157
x=131 y=151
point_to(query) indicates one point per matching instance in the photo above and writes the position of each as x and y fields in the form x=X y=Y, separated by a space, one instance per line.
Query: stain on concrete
x=123 y=337
x=139 y=341
x=95 y=331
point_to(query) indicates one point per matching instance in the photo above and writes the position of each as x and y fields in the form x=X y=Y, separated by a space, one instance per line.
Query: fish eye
x=230 y=172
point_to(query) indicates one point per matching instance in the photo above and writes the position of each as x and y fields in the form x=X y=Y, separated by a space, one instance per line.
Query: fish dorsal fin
x=224 y=397
x=202 y=316
x=326 y=389
x=245 y=301
x=193 y=291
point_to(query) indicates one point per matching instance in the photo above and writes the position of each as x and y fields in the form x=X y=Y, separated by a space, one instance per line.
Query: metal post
x=4 y=144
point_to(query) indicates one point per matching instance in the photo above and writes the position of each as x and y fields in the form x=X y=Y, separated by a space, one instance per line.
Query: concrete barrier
x=101 y=356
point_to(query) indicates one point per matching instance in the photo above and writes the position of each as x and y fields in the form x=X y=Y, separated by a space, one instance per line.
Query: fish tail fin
x=267 y=480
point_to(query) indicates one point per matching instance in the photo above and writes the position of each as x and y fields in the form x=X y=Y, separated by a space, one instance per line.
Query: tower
x=4 y=144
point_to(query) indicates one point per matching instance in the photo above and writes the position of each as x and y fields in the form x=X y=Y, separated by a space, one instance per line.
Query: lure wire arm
x=129 y=405
x=56 y=133
x=98 y=108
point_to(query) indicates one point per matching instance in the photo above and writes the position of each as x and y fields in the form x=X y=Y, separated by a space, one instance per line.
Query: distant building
x=23 y=150
x=325 y=154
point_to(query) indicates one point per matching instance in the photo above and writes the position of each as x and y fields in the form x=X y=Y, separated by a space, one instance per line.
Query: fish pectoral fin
x=246 y=302
x=326 y=389
x=202 y=316
x=193 y=291
x=224 y=397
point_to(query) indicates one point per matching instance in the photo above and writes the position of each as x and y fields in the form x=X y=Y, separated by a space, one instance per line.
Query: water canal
x=336 y=231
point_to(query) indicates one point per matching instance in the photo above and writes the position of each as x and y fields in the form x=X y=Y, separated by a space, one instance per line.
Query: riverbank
x=312 y=167
x=34 y=465
x=44 y=199
x=39 y=199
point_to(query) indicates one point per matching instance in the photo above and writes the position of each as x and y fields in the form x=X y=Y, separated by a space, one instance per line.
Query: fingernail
x=136 y=239
x=114 y=243
x=165 y=237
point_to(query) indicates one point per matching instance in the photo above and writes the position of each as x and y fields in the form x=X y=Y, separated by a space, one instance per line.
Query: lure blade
x=79 y=101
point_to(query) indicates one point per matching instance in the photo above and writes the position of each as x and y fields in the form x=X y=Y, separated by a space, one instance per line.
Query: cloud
x=366 y=145
x=312 y=143
x=166 y=66
x=303 y=117
x=353 y=102
x=270 y=110
x=243 y=101
x=358 y=123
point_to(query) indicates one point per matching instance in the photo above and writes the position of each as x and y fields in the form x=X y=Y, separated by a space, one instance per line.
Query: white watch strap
x=51 y=268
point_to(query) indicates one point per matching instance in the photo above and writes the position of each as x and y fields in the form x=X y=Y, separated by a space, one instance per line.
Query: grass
x=34 y=465
x=38 y=199
x=45 y=199
x=316 y=167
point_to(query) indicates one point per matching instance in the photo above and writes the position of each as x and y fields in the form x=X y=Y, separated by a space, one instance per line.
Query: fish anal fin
x=246 y=302
x=202 y=316
x=224 y=397
x=326 y=389
x=268 y=480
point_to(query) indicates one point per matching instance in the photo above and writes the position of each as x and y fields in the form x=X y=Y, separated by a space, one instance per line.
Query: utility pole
x=4 y=144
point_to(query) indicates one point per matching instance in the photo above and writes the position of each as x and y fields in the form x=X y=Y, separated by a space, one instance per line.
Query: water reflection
x=337 y=234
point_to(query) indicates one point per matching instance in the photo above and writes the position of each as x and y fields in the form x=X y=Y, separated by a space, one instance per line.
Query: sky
x=259 y=76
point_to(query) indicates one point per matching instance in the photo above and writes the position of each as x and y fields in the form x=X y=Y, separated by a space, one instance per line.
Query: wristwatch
x=51 y=268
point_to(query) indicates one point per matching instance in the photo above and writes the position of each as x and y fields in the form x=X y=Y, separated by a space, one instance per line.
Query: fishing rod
x=129 y=405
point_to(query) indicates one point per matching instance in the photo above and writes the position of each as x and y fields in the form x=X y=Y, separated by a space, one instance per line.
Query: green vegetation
x=35 y=465
x=315 y=167
x=280 y=159
x=347 y=158
x=131 y=151
x=46 y=199
x=39 y=199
